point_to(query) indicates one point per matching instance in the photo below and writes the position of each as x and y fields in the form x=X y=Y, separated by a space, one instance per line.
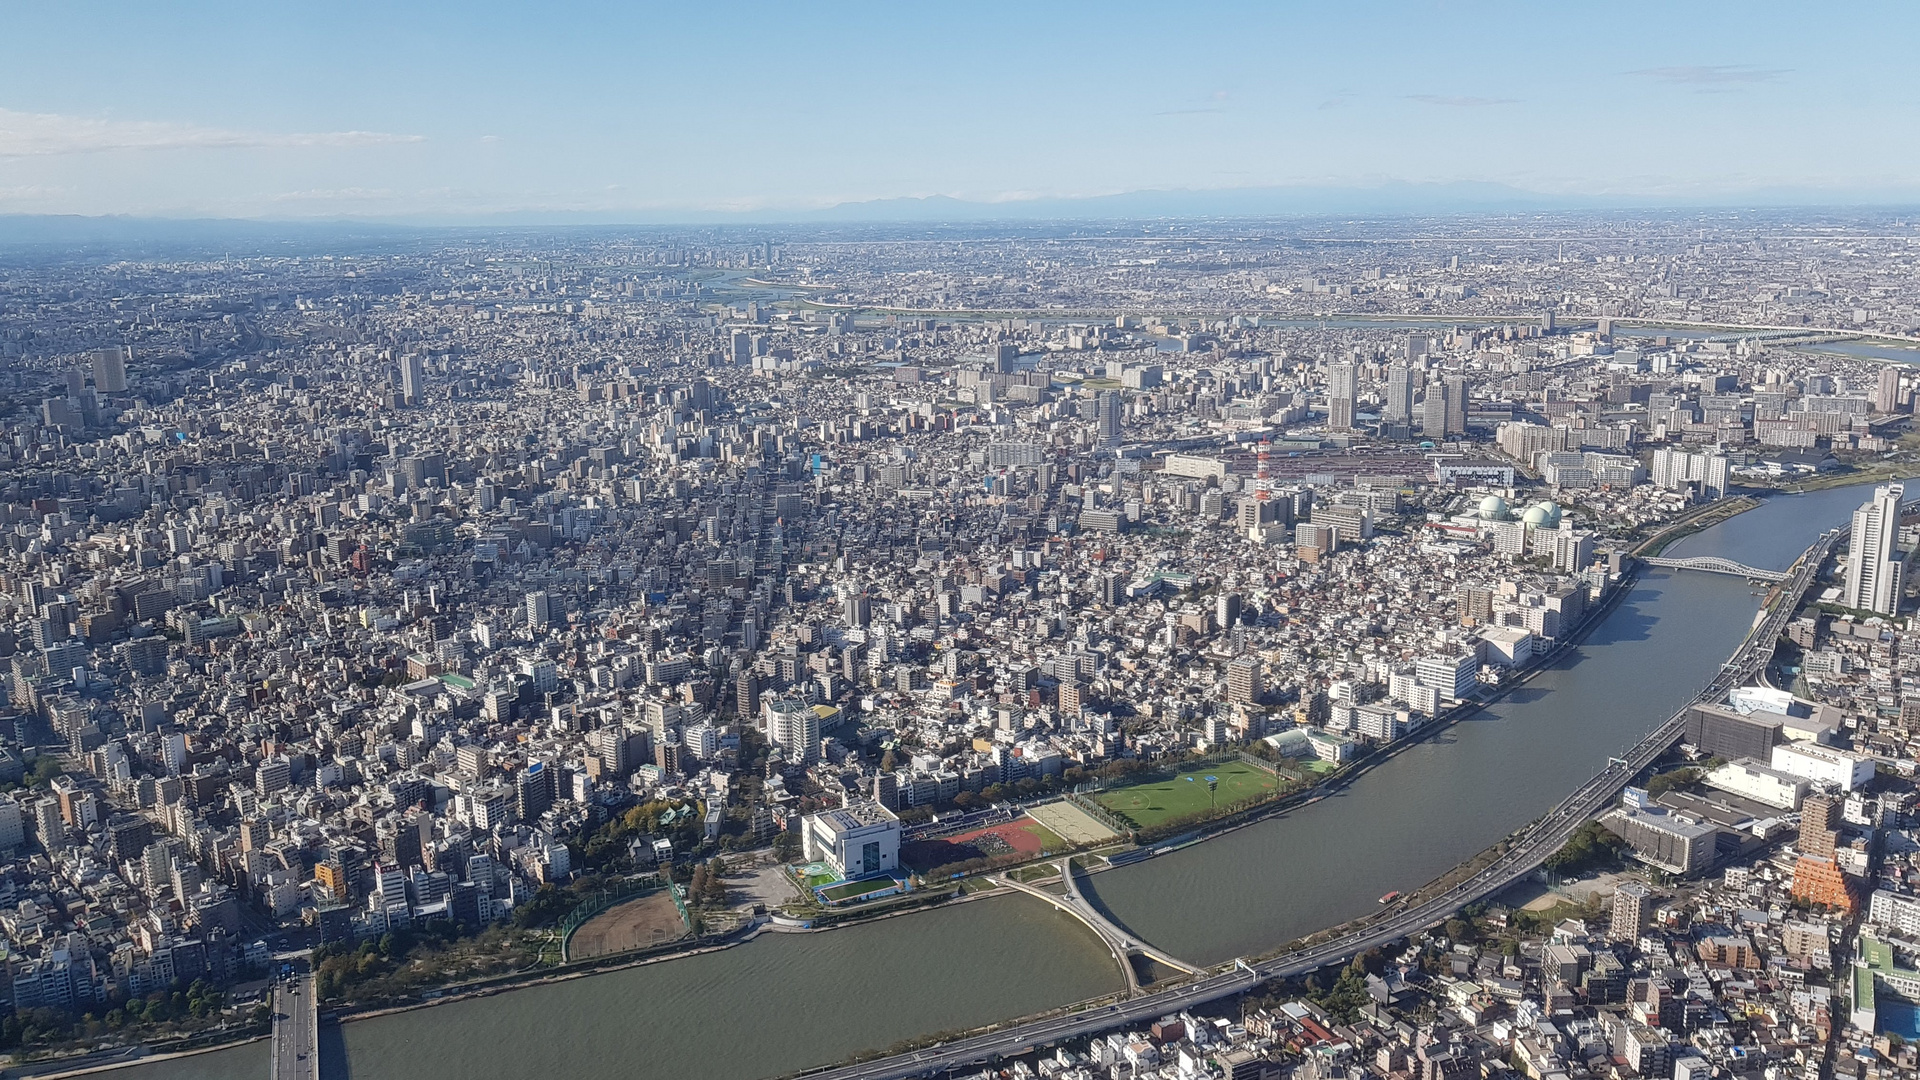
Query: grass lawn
x=1149 y=804
x=851 y=889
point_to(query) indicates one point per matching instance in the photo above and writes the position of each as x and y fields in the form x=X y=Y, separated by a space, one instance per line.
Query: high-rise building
x=1106 y=417
x=1226 y=609
x=1342 y=388
x=1632 y=907
x=1675 y=469
x=1886 y=394
x=858 y=610
x=794 y=727
x=1398 y=408
x=1456 y=404
x=1875 y=570
x=1433 y=410
x=539 y=610
x=1245 y=680
x=48 y=826
x=1817 y=877
x=413 y=378
x=110 y=370
x=1071 y=697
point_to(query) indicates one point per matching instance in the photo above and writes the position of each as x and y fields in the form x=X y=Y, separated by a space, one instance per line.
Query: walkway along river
x=784 y=1002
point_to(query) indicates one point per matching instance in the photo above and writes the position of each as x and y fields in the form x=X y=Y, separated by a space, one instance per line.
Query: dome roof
x=1493 y=508
x=1543 y=515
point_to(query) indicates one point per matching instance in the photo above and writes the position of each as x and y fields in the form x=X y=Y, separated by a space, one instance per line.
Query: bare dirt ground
x=636 y=924
x=760 y=882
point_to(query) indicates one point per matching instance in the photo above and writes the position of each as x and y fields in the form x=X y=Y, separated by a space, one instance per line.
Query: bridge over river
x=1713 y=564
x=1122 y=944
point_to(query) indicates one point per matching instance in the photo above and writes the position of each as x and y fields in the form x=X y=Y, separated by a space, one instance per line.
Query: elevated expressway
x=1525 y=854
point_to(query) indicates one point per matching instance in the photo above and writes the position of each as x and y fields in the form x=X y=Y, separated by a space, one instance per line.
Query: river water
x=786 y=1002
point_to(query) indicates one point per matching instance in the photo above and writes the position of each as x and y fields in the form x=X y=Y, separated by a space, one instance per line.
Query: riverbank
x=1387 y=752
x=1705 y=517
x=1440 y=801
x=351 y=1016
x=77 y=1066
x=1880 y=473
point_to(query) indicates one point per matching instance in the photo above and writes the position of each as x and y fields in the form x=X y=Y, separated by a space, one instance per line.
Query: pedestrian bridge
x=1122 y=944
x=1715 y=565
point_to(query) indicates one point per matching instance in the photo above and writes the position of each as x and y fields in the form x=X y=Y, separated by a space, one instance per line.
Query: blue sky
x=468 y=111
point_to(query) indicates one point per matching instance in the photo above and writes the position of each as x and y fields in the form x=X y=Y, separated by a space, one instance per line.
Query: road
x=296 y=1028
x=1117 y=941
x=1541 y=839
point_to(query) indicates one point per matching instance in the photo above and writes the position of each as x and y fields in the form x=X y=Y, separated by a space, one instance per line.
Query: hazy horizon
x=659 y=114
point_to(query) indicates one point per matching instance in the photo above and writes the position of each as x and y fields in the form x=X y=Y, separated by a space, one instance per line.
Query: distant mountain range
x=1384 y=200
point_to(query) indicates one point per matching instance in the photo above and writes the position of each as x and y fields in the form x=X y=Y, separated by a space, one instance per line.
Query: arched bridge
x=1121 y=943
x=1715 y=565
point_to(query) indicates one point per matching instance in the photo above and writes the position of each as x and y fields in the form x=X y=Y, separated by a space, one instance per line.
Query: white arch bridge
x=1715 y=565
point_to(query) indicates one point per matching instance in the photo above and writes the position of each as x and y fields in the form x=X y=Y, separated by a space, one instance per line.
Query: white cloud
x=24 y=134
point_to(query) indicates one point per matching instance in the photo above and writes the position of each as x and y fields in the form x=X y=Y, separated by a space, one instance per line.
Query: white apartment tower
x=1874 y=567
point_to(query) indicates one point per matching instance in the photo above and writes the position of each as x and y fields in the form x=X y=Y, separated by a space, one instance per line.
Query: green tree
x=786 y=846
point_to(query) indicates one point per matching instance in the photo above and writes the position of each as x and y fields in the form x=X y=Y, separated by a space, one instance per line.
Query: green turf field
x=1149 y=804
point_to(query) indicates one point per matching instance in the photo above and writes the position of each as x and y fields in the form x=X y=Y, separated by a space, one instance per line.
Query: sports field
x=1151 y=803
x=1023 y=835
x=1070 y=823
x=634 y=924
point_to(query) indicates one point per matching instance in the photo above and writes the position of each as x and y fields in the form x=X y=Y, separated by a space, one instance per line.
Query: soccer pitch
x=1151 y=803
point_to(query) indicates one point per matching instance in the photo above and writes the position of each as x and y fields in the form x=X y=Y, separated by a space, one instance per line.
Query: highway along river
x=785 y=1002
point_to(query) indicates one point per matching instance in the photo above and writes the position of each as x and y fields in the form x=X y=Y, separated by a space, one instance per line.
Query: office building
x=1452 y=676
x=861 y=839
x=1823 y=765
x=1662 y=839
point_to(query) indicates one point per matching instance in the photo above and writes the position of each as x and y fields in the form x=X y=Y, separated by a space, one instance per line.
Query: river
x=785 y=1002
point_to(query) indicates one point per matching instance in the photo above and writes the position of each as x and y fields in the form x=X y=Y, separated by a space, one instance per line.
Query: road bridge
x=1522 y=856
x=296 y=1028
x=1118 y=941
x=1713 y=564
